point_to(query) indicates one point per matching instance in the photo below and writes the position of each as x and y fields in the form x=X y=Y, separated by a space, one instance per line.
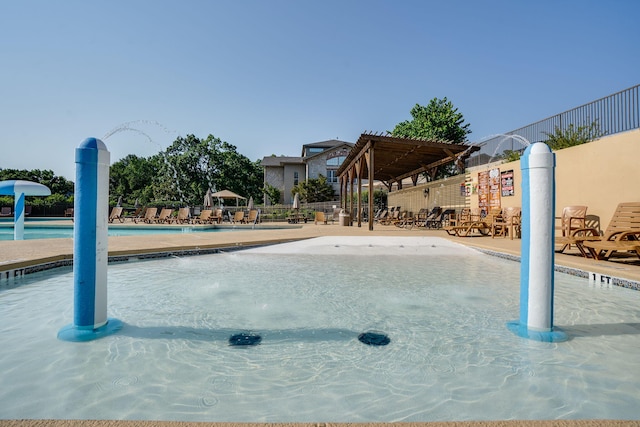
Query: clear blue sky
x=270 y=75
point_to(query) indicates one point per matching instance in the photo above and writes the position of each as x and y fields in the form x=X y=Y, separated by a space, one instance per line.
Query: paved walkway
x=15 y=256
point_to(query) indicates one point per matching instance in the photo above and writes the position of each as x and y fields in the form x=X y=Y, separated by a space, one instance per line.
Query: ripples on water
x=451 y=356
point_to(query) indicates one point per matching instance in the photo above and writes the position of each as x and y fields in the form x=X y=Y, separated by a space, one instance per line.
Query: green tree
x=572 y=135
x=133 y=179
x=61 y=188
x=314 y=190
x=272 y=194
x=439 y=120
x=184 y=171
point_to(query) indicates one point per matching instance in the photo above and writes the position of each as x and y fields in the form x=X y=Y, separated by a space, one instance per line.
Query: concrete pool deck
x=16 y=255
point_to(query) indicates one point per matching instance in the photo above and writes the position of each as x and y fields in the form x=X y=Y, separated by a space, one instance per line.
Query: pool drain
x=244 y=339
x=373 y=338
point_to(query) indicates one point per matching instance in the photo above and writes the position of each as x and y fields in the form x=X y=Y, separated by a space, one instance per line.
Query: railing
x=612 y=114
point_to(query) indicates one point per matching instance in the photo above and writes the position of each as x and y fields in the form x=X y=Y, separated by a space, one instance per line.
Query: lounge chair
x=253 y=216
x=183 y=216
x=320 y=217
x=137 y=214
x=622 y=234
x=422 y=220
x=217 y=216
x=116 y=213
x=165 y=216
x=391 y=218
x=442 y=219
x=573 y=218
x=238 y=217
x=482 y=225
x=381 y=217
x=509 y=222
x=149 y=216
x=5 y=211
x=68 y=212
x=204 y=217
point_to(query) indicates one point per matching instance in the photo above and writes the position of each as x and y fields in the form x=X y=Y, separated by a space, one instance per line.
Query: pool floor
x=443 y=306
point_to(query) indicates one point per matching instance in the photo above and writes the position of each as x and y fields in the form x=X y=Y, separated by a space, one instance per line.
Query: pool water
x=63 y=231
x=443 y=306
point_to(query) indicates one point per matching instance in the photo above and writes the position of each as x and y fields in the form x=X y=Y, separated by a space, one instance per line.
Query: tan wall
x=598 y=175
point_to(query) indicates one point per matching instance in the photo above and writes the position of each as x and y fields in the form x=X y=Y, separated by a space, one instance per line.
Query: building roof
x=331 y=143
x=274 y=161
x=397 y=158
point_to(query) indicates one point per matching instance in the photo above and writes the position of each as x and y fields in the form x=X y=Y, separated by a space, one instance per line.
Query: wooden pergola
x=391 y=159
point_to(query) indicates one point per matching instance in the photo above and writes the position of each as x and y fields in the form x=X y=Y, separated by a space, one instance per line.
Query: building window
x=335 y=161
x=295 y=178
x=332 y=175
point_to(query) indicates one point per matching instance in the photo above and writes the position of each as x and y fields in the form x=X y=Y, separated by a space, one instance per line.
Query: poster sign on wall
x=483 y=191
x=489 y=189
x=506 y=183
x=494 y=188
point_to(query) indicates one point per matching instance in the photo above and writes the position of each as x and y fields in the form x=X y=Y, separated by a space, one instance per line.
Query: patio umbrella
x=19 y=189
x=119 y=201
x=250 y=204
x=208 y=199
x=296 y=202
x=136 y=204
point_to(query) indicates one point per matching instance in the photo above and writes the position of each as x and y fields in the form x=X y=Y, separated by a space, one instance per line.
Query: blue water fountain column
x=537 y=260
x=90 y=245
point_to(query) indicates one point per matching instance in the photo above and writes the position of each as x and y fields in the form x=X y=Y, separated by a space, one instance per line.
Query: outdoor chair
x=149 y=216
x=116 y=213
x=509 y=222
x=203 y=218
x=137 y=214
x=320 y=217
x=573 y=218
x=238 y=217
x=183 y=216
x=165 y=216
x=622 y=234
x=5 y=211
x=441 y=220
x=254 y=216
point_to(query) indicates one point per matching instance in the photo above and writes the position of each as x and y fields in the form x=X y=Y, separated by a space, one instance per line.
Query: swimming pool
x=40 y=231
x=444 y=307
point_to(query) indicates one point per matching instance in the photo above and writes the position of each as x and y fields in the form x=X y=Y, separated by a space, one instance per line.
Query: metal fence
x=612 y=114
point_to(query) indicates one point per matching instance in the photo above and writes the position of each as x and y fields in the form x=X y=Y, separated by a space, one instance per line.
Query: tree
x=61 y=188
x=572 y=135
x=314 y=190
x=272 y=193
x=185 y=170
x=439 y=120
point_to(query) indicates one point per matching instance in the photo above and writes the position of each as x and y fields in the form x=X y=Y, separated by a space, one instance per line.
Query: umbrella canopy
x=119 y=201
x=136 y=204
x=250 y=204
x=226 y=194
x=296 y=201
x=19 y=189
x=208 y=199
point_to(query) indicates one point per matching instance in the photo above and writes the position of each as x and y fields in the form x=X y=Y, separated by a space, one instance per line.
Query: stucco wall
x=599 y=175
